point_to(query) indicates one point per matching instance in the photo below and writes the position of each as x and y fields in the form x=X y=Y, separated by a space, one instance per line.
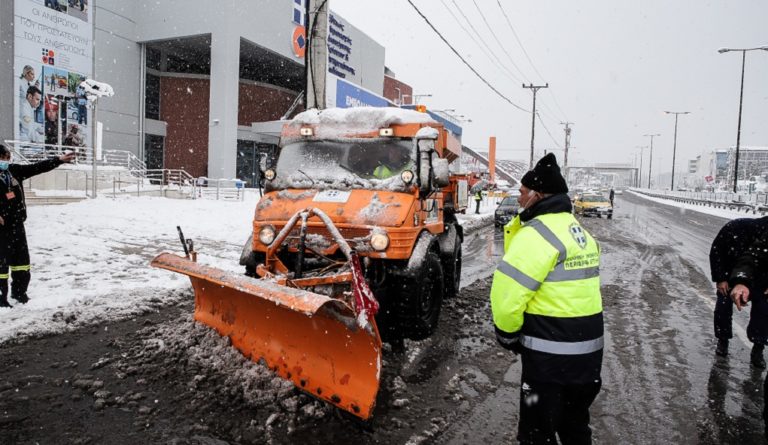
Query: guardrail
x=219 y=189
x=748 y=202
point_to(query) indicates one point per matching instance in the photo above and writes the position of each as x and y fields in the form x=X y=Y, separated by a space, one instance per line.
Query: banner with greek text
x=53 y=53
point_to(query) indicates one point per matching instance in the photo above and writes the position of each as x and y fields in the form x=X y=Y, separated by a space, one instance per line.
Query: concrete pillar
x=222 y=119
x=8 y=85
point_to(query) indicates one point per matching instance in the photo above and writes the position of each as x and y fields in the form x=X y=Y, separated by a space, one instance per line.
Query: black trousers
x=14 y=260
x=757 y=329
x=549 y=409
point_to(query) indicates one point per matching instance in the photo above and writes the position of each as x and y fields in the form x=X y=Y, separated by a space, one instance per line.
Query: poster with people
x=53 y=54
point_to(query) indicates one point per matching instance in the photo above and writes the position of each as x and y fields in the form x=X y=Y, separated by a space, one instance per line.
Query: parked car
x=593 y=204
x=507 y=209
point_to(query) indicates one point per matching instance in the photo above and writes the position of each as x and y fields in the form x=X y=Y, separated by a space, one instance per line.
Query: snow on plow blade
x=307 y=338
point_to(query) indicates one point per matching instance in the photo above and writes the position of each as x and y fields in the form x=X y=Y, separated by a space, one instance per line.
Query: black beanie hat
x=545 y=176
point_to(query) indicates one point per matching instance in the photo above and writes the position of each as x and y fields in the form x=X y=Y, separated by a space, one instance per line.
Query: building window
x=152 y=97
x=153 y=151
x=154 y=57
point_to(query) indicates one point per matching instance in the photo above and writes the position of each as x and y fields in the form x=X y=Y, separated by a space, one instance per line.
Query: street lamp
x=741 y=100
x=650 y=159
x=674 y=145
x=640 y=172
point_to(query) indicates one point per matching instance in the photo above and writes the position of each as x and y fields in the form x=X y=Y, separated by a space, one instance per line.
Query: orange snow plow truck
x=355 y=235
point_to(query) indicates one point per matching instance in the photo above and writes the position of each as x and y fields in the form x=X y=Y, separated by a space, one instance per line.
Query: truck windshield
x=368 y=163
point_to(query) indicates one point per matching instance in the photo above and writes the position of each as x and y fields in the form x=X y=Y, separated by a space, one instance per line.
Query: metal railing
x=139 y=180
x=219 y=189
x=28 y=152
x=748 y=202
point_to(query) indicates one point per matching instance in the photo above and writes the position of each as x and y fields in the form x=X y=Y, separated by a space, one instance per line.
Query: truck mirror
x=425 y=172
x=440 y=171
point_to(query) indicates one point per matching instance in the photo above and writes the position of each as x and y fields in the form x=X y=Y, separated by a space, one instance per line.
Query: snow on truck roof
x=360 y=119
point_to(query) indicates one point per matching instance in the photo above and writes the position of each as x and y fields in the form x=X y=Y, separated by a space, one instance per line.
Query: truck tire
x=421 y=299
x=249 y=258
x=452 y=271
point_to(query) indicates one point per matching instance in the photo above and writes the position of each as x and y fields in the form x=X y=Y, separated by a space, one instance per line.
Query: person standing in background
x=733 y=241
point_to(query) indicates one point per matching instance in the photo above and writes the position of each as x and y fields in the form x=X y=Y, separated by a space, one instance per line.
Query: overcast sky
x=613 y=67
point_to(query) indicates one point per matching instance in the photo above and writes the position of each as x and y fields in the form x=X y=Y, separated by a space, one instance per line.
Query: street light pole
x=650 y=158
x=674 y=145
x=535 y=89
x=741 y=100
x=640 y=172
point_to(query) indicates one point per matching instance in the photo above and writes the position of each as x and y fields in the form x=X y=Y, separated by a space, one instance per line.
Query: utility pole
x=640 y=172
x=650 y=159
x=674 y=145
x=316 y=58
x=741 y=101
x=567 y=141
x=535 y=89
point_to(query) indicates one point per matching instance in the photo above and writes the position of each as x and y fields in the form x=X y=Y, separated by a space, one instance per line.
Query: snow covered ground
x=90 y=260
x=684 y=207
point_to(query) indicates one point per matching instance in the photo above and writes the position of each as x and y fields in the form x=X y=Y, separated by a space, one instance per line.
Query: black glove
x=509 y=341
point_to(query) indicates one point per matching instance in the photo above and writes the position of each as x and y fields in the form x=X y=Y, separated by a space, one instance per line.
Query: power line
x=487 y=46
x=493 y=34
x=463 y=60
x=557 y=144
x=491 y=57
x=522 y=47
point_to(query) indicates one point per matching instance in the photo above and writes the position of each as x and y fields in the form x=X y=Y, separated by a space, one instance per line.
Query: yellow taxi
x=592 y=204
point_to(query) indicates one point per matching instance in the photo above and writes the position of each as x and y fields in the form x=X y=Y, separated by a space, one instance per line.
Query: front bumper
x=502 y=219
x=597 y=211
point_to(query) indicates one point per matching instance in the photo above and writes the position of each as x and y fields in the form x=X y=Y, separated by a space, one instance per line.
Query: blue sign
x=349 y=95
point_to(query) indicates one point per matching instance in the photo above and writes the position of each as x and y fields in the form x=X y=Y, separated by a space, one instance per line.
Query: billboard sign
x=53 y=53
x=350 y=95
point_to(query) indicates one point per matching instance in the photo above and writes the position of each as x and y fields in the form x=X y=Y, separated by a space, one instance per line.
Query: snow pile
x=472 y=223
x=337 y=122
x=90 y=260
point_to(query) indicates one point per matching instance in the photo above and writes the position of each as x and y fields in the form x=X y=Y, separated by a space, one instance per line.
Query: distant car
x=507 y=209
x=593 y=204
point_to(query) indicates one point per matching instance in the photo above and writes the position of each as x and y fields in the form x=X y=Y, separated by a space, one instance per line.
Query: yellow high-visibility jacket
x=546 y=300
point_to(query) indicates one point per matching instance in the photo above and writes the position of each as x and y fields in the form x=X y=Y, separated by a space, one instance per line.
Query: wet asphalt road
x=159 y=378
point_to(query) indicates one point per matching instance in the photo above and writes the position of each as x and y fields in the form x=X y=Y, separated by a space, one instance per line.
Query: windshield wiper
x=308 y=177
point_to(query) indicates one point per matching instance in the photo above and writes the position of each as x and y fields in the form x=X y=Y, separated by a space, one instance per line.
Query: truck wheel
x=452 y=271
x=421 y=299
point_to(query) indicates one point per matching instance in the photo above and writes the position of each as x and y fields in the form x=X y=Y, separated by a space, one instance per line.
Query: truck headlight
x=267 y=235
x=380 y=241
x=406 y=176
x=270 y=174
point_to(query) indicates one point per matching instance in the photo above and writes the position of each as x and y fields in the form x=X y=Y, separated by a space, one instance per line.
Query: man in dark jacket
x=731 y=243
x=14 y=254
x=749 y=280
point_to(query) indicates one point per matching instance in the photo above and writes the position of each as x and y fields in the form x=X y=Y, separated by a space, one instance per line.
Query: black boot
x=22 y=298
x=4 y=301
x=756 y=357
x=722 y=347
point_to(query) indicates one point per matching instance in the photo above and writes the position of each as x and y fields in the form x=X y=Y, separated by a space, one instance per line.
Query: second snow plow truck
x=356 y=231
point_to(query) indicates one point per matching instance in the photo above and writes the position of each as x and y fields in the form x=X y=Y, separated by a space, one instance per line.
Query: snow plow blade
x=309 y=339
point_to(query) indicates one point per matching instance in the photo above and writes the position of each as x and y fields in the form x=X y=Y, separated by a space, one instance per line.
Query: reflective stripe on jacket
x=547 y=290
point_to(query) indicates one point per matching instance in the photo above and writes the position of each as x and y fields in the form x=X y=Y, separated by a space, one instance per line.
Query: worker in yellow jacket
x=547 y=307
